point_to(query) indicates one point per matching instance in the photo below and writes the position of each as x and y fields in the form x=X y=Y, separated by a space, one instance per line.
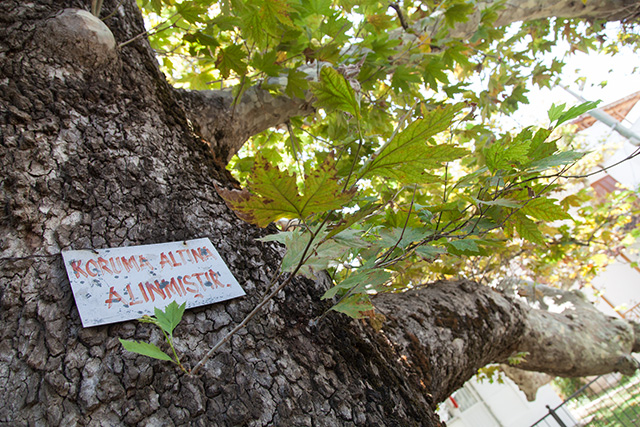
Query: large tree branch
x=227 y=126
x=529 y=10
x=579 y=340
x=448 y=330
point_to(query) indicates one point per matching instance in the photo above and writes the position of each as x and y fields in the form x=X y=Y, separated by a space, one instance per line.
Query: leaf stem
x=355 y=158
x=406 y=222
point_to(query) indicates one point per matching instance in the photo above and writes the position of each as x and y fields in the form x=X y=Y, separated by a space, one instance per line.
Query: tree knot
x=77 y=37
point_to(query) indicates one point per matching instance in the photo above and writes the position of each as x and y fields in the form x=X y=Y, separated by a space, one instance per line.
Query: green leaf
x=202 y=39
x=263 y=18
x=226 y=22
x=297 y=84
x=539 y=148
x=558 y=113
x=351 y=238
x=267 y=63
x=317 y=257
x=295 y=242
x=354 y=306
x=145 y=349
x=321 y=257
x=360 y=281
x=429 y=252
x=156 y=6
x=545 y=209
x=348 y=220
x=406 y=156
x=404 y=76
x=231 y=58
x=333 y=92
x=508 y=203
x=527 y=229
x=505 y=156
x=463 y=247
x=433 y=70
x=555 y=112
x=280 y=237
x=403 y=236
x=459 y=12
x=170 y=317
x=274 y=194
x=191 y=11
x=560 y=159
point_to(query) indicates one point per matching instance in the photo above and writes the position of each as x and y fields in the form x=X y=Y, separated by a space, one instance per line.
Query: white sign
x=118 y=284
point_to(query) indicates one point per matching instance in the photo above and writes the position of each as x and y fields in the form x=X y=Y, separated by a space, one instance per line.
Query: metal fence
x=606 y=401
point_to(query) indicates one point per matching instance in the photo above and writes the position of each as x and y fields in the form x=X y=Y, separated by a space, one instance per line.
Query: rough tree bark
x=97 y=152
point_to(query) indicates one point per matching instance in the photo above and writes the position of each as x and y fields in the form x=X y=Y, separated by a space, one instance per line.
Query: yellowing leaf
x=274 y=194
x=425 y=43
x=527 y=229
x=545 y=209
x=380 y=21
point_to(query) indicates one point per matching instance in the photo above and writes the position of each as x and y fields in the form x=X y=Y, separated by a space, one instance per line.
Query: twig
x=96 y=6
x=22 y=258
x=403 y=21
x=147 y=32
x=241 y=325
x=390 y=251
x=355 y=158
x=292 y=138
x=115 y=10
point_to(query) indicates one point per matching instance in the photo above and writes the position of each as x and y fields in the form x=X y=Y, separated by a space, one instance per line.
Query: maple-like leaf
x=333 y=92
x=545 y=209
x=527 y=229
x=407 y=156
x=274 y=194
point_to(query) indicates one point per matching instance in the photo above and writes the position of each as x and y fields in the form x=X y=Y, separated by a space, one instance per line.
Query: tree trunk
x=97 y=152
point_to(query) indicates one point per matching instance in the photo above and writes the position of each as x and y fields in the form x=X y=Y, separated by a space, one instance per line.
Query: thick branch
x=447 y=331
x=227 y=127
x=579 y=340
x=529 y=10
x=527 y=381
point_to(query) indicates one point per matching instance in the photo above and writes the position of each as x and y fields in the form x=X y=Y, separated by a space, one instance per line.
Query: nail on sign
x=118 y=284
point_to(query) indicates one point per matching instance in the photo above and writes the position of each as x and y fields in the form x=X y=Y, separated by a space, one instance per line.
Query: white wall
x=504 y=405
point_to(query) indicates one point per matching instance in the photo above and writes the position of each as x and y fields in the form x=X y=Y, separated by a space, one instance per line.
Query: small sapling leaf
x=145 y=349
x=170 y=317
